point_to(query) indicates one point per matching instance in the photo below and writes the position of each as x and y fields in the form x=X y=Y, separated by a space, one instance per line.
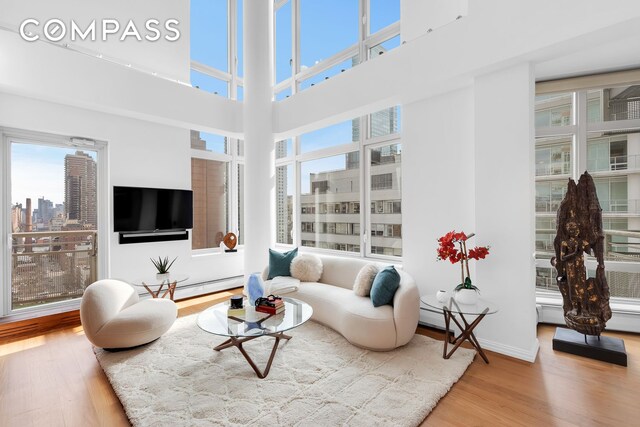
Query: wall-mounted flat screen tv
x=149 y=209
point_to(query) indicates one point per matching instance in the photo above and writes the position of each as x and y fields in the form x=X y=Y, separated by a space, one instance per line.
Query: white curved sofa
x=113 y=317
x=337 y=306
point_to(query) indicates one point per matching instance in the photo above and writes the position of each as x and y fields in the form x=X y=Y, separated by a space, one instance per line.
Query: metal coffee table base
x=237 y=342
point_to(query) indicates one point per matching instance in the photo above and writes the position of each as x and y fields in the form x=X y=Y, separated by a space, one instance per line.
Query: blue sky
x=37 y=171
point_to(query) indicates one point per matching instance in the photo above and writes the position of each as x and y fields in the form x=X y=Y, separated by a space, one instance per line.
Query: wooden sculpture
x=579 y=230
x=230 y=241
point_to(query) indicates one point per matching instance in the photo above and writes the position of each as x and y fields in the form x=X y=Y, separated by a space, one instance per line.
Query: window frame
x=579 y=131
x=361 y=48
x=232 y=78
x=364 y=145
x=233 y=159
x=12 y=135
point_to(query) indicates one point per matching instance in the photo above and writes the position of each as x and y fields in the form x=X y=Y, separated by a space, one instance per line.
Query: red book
x=269 y=310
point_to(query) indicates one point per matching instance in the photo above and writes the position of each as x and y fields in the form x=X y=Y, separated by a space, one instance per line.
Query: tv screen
x=150 y=209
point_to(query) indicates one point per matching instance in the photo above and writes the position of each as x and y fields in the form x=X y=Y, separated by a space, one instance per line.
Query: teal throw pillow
x=280 y=262
x=384 y=286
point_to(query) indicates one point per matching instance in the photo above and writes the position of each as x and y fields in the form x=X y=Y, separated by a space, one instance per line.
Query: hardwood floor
x=53 y=379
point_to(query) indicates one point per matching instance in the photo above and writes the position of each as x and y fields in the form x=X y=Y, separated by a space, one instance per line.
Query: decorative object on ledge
x=162 y=265
x=585 y=300
x=465 y=292
x=230 y=241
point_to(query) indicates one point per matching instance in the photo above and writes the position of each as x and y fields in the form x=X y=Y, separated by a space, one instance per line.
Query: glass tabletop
x=163 y=280
x=455 y=307
x=215 y=320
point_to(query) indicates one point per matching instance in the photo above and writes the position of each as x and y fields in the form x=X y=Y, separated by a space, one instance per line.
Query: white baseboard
x=507 y=350
x=436 y=320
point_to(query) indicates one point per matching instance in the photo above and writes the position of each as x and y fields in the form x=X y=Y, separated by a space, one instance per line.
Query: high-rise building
x=45 y=210
x=611 y=156
x=284 y=215
x=17 y=218
x=330 y=212
x=80 y=189
x=210 y=198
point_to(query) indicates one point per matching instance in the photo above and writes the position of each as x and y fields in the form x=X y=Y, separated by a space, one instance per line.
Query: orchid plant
x=447 y=251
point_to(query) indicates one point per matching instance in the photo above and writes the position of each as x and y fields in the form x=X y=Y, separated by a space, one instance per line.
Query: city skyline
x=37 y=171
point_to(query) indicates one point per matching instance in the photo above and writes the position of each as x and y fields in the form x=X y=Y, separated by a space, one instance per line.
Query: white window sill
x=627 y=306
x=626 y=313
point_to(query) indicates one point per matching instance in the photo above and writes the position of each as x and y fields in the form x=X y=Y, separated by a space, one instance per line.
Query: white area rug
x=317 y=379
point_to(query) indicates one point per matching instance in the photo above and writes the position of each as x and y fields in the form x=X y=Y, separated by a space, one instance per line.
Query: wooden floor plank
x=53 y=379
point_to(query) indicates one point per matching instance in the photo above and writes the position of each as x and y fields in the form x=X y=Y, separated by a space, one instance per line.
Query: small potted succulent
x=162 y=265
x=465 y=292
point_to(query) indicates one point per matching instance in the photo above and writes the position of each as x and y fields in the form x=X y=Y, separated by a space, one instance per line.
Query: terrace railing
x=50 y=266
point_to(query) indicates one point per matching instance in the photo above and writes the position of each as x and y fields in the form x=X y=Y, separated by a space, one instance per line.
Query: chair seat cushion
x=138 y=324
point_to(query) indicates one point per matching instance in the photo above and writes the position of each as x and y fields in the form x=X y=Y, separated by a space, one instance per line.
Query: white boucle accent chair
x=337 y=306
x=113 y=317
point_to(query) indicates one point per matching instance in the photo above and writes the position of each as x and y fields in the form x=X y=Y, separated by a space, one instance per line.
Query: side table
x=450 y=308
x=155 y=285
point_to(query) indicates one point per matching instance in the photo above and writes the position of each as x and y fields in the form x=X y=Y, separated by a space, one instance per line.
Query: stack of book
x=236 y=306
x=235 y=312
x=270 y=305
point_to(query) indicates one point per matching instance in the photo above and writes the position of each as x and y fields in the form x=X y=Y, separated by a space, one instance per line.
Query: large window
x=334 y=183
x=53 y=211
x=216 y=46
x=316 y=40
x=595 y=129
x=217 y=181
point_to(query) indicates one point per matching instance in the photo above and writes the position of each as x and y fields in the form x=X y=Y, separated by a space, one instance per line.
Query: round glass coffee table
x=450 y=308
x=154 y=284
x=252 y=325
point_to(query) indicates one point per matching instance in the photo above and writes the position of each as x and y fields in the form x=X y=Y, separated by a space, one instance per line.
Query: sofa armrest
x=406 y=309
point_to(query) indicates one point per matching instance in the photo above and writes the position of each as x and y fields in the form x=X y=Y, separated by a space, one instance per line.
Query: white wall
x=139 y=154
x=437 y=185
x=44 y=71
x=504 y=207
x=419 y=16
x=165 y=58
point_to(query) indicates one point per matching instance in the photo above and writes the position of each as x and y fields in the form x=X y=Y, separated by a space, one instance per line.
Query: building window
x=308 y=55
x=54 y=219
x=382 y=181
x=611 y=158
x=209 y=182
x=217 y=181
x=216 y=46
x=323 y=182
x=332 y=188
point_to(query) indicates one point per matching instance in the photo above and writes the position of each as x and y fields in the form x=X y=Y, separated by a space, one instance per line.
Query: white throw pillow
x=364 y=280
x=306 y=268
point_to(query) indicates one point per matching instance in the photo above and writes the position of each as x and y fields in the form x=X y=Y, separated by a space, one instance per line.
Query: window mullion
x=5 y=224
x=233 y=186
x=297 y=234
x=295 y=44
x=580 y=139
x=232 y=43
x=365 y=197
x=363 y=30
